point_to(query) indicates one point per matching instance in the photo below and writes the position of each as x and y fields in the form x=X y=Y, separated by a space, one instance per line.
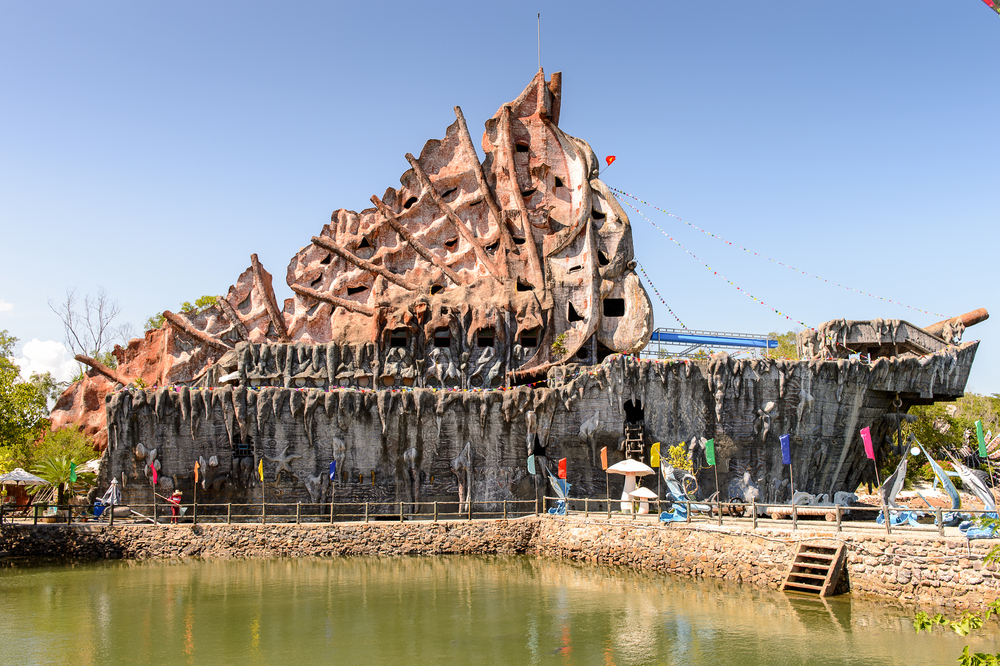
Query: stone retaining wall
x=926 y=570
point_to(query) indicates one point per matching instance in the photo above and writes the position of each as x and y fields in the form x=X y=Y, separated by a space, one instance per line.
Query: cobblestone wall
x=928 y=570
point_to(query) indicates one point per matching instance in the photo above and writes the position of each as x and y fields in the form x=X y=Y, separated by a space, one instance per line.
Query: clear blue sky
x=151 y=147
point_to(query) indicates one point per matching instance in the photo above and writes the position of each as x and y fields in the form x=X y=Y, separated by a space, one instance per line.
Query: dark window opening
x=572 y=314
x=356 y=290
x=311 y=311
x=242 y=449
x=493 y=246
x=245 y=303
x=397 y=338
x=451 y=243
x=602 y=258
x=574 y=269
x=447 y=193
x=316 y=281
x=633 y=411
x=444 y=311
x=527 y=193
x=436 y=289
x=521 y=147
x=364 y=243
x=597 y=215
x=517 y=241
x=328 y=259
x=486 y=337
x=583 y=352
x=523 y=286
x=530 y=338
x=409 y=203
x=614 y=307
x=559 y=182
x=442 y=338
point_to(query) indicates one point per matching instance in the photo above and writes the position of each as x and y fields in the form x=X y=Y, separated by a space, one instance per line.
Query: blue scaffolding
x=685 y=343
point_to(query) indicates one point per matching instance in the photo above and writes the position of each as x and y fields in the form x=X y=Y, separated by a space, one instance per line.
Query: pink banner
x=866 y=437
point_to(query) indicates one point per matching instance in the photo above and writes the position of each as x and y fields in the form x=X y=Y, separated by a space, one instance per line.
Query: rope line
x=714 y=272
x=653 y=286
x=775 y=261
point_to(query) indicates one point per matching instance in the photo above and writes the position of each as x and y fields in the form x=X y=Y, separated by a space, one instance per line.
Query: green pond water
x=467 y=611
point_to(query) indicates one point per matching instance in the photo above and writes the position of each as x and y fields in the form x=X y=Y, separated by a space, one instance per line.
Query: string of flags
x=775 y=261
x=657 y=292
x=714 y=272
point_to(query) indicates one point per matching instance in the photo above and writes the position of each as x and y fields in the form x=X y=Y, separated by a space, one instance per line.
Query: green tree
x=59 y=471
x=23 y=408
x=786 y=345
x=965 y=625
x=187 y=307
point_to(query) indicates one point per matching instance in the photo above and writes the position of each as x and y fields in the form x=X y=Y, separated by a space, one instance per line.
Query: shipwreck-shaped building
x=479 y=312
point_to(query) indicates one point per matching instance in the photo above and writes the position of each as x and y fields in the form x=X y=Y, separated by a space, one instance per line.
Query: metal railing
x=835 y=517
x=275 y=512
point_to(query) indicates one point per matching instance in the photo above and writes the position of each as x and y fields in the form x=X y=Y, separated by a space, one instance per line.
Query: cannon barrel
x=968 y=319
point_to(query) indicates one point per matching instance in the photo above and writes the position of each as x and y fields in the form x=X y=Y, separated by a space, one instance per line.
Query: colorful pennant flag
x=866 y=437
x=197 y=468
x=333 y=470
x=710 y=452
x=993 y=5
x=654 y=455
x=531 y=464
x=786 y=449
x=260 y=469
x=609 y=159
x=72 y=465
x=604 y=458
x=982 y=441
x=155 y=475
x=562 y=468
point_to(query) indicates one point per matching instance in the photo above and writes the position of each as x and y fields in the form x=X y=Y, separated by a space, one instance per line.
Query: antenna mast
x=539 y=40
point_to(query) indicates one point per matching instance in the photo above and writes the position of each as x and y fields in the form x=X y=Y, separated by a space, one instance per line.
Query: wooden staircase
x=815 y=569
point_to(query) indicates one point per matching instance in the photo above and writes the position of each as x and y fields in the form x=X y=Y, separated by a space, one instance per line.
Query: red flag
x=866 y=437
x=562 y=468
x=155 y=475
x=604 y=458
x=609 y=159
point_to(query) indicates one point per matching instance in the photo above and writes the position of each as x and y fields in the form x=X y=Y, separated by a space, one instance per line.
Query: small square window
x=397 y=338
x=442 y=338
x=529 y=338
x=614 y=307
x=485 y=337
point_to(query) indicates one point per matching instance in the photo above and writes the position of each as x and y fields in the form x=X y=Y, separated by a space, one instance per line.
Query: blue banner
x=786 y=449
x=333 y=471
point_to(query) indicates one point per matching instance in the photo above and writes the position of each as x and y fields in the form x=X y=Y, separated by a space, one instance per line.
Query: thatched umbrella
x=21 y=478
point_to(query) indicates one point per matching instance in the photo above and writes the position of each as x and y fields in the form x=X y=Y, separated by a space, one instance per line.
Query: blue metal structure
x=671 y=342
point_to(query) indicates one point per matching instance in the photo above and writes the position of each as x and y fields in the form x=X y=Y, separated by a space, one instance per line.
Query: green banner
x=982 y=441
x=72 y=472
x=710 y=451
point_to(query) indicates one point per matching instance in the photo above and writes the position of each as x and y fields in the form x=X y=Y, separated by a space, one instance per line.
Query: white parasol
x=21 y=478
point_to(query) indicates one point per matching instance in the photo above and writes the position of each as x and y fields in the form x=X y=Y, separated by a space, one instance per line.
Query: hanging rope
x=775 y=261
x=653 y=286
x=714 y=272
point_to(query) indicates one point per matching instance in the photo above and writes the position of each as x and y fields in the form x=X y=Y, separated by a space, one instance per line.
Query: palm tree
x=59 y=472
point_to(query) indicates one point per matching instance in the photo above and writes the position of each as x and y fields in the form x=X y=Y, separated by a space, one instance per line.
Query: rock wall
x=923 y=571
x=407 y=445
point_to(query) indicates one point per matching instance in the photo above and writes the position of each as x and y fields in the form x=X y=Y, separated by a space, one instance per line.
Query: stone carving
x=461 y=467
x=284 y=463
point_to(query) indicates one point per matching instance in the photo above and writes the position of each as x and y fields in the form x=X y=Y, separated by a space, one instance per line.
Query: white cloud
x=5 y=306
x=47 y=356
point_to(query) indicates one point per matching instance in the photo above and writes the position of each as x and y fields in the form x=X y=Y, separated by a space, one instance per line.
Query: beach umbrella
x=21 y=478
x=643 y=495
x=630 y=469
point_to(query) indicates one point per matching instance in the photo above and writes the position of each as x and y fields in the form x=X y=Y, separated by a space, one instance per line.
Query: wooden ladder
x=815 y=569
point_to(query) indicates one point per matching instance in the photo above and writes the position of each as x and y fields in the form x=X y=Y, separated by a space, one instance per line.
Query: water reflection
x=435 y=610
